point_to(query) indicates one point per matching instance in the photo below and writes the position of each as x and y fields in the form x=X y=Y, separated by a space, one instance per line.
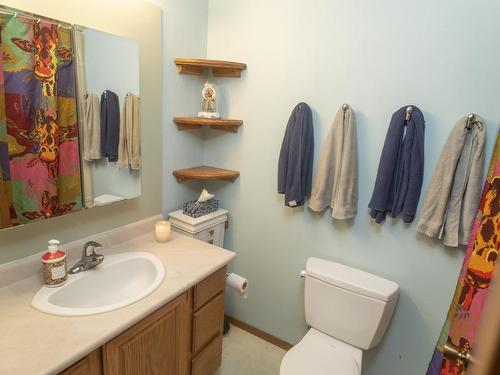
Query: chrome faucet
x=90 y=258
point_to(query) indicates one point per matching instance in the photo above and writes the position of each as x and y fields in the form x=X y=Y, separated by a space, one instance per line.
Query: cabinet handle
x=212 y=232
x=211 y=242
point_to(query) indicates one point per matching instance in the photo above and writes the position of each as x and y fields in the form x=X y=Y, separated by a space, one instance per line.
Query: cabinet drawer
x=213 y=235
x=181 y=231
x=209 y=360
x=208 y=323
x=208 y=288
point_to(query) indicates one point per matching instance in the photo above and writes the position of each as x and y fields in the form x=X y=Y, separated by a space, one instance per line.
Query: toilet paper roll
x=238 y=284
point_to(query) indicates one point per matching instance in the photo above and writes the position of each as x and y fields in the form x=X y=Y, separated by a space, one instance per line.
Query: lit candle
x=162 y=231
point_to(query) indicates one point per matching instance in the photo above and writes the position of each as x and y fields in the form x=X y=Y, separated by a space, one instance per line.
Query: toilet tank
x=348 y=304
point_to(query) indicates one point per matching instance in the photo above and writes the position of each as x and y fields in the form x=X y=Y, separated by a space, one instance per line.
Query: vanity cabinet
x=90 y=365
x=184 y=337
x=208 y=324
x=159 y=344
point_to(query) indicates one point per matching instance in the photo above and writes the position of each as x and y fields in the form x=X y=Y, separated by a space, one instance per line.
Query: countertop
x=32 y=342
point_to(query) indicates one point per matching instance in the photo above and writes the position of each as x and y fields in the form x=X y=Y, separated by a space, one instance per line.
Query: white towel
x=129 y=147
x=336 y=181
x=92 y=128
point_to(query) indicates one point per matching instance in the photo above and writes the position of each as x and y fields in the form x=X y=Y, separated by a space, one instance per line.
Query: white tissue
x=238 y=284
x=204 y=196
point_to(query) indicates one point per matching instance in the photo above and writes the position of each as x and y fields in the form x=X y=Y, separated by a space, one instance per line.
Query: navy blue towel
x=296 y=157
x=110 y=125
x=401 y=168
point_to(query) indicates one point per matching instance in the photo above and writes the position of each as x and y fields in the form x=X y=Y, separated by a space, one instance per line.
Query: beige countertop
x=32 y=342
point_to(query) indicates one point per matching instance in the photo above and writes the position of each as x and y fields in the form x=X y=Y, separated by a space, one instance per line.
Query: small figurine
x=209 y=102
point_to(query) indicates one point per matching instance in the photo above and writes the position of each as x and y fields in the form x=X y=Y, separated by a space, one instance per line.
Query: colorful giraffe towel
x=473 y=283
x=38 y=122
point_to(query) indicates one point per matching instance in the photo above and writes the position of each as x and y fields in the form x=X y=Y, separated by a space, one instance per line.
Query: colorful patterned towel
x=475 y=276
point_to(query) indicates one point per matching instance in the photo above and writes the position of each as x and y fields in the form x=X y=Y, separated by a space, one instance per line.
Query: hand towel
x=336 y=181
x=129 y=148
x=450 y=204
x=296 y=157
x=401 y=168
x=110 y=125
x=91 y=128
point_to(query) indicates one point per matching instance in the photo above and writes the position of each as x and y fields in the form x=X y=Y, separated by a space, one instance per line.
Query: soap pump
x=55 y=270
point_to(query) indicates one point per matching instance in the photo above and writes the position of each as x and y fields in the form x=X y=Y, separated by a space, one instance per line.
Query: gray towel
x=91 y=128
x=336 y=181
x=450 y=204
x=296 y=157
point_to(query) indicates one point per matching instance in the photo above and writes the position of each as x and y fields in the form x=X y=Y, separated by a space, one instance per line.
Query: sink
x=120 y=280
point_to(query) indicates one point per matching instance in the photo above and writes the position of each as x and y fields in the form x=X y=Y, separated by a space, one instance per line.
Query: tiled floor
x=246 y=354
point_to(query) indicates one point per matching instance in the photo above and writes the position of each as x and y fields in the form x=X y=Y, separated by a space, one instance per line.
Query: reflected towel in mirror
x=91 y=128
x=129 y=148
x=110 y=125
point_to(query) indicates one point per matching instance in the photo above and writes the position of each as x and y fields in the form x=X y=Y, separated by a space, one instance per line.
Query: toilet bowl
x=348 y=311
x=320 y=354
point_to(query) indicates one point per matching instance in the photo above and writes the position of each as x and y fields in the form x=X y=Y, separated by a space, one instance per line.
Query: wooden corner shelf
x=205 y=173
x=225 y=125
x=219 y=68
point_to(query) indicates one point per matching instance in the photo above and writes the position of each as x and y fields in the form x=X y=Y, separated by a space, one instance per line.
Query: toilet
x=348 y=311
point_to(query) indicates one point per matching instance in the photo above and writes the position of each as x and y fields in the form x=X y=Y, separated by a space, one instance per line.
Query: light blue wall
x=376 y=56
x=184 y=34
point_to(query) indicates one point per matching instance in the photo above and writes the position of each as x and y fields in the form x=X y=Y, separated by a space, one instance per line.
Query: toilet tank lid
x=352 y=279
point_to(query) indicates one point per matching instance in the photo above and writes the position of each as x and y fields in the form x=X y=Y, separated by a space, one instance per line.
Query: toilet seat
x=320 y=354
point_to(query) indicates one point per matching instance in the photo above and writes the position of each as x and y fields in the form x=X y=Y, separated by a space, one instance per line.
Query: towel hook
x=15 y=14
x=38 y=21
x=470 y=121
x=345 y=107
x=409 y=111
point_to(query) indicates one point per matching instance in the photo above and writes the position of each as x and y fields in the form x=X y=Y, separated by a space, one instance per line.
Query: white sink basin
x=120 y=280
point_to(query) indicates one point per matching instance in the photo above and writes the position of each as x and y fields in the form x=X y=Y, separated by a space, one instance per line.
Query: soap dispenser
x=55 y=270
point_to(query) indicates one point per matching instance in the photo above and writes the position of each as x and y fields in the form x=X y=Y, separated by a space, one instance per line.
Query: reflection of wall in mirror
x=112 y=63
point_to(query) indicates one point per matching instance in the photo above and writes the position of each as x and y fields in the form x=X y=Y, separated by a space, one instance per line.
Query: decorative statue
x=209 y=102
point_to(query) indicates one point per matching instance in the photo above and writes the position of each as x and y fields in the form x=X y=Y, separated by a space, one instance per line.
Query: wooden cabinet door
x=90 y=365
x=158 y=345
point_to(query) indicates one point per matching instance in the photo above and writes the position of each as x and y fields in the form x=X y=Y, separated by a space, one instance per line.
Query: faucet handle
x=89 y=249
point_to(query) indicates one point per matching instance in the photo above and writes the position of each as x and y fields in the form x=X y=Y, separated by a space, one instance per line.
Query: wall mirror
x=111 y=98
x=70 y=134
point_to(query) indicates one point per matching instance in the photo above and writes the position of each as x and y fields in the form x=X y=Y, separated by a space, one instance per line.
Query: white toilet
x=348 y=311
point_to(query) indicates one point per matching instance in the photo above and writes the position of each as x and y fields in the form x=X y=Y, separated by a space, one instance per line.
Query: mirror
x=112 y=80
x=69 y=118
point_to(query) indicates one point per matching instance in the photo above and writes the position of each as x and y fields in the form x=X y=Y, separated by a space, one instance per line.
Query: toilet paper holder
x=240 y=285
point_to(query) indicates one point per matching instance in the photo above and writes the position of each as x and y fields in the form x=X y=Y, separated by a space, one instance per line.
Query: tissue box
x=194 y=209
